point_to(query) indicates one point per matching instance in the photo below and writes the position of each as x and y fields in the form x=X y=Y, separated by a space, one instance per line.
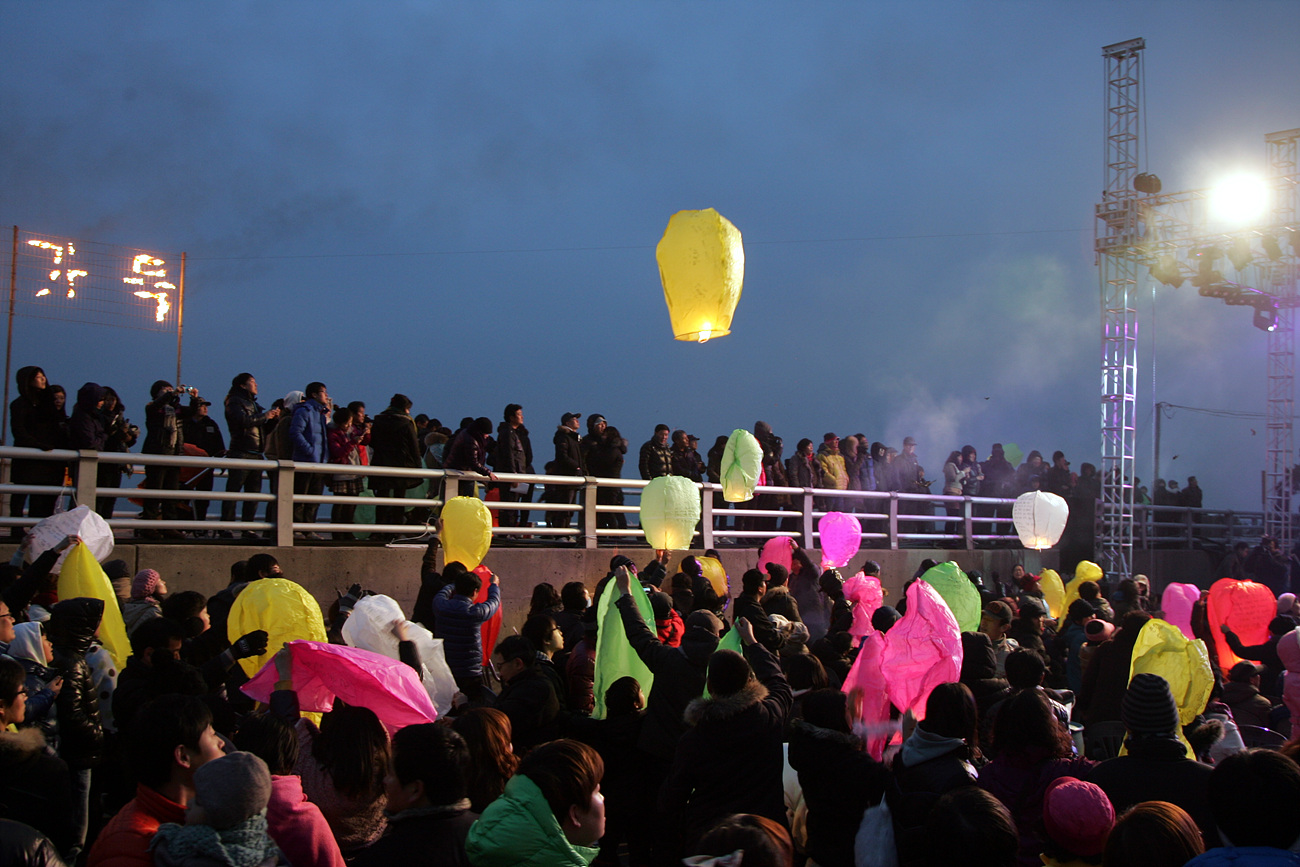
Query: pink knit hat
x=145 y=583
x=1078 y=816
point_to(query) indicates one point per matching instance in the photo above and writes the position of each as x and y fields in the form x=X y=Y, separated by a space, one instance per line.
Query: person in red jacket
x=174 y=739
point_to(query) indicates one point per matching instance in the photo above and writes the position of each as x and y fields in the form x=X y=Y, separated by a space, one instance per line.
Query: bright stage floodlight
x=1240 y=198
x=1266 y=317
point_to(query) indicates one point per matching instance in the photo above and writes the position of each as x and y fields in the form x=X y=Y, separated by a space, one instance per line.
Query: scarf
x=243 y=845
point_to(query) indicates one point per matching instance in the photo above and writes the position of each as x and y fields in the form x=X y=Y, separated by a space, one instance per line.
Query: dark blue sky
x=461 y=202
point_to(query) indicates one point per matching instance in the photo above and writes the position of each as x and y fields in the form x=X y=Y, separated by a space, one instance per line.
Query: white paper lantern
x=1040 y=519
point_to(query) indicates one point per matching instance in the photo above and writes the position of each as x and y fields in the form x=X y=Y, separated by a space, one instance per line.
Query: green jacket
x=518 y=829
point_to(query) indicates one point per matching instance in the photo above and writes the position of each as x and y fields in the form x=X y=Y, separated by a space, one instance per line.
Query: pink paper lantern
x=866 y=592
x=922 y=650
x=1177 y=602
x=866 y=683
x=841 y=538
x=777 y=550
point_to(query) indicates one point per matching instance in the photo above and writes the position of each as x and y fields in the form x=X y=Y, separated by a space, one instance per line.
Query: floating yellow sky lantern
x=702 y=266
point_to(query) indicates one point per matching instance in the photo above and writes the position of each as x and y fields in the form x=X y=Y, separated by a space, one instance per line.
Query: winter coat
x=35 y=787
x=839 y=782
x=518 y=829
x=71 y=628
x=164 y=434
x=1020 y=782
x=569 y=460
x=1249 y=708
x=605 y=458
x=466 y=452
x=679 y=678
x=1265 y=654
x=656 y=460
x=459 y=626
x=87 y=428
x=926 y=768
x=202 y=431
x=1288 y=651
x=32 y=419
x=307 y=433
x=395 y=444
x=779 y=600
x=355 y=821
x=246 y=422
x=580 y=676
x=298 y=827
x=23 y=846
x=1104 y=683
x=125 y=840
x=834 y=472
x=420 y=837
x=530 y=700
x=136 y=611
x=1157 y=769
x=803 y=471
x=730 y=760
x=1245 y=856
x=514 y=451
x=751 y=608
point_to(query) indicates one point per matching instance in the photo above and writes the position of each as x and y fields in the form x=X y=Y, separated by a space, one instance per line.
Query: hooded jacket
x=32 y=418
x=1157 y=768
x=518 y=829
x=834 y=472
x=71 y=628
x=87 y=428
x=731 y=758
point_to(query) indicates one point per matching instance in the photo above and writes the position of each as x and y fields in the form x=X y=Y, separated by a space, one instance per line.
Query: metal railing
x=889 y=520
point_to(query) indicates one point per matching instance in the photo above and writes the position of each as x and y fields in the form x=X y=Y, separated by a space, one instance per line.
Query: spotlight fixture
x=1240 y=254
x=1271 y=248
x=1165 y=269
x=1266 y=316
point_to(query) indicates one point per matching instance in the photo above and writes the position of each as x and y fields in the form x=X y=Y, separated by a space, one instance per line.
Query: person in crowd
x=1266 y=654
x=120 y=435
x=1241 y=694
x=1157 y=766
x=226 y=820
x=969 y=826
x=429 y=814
x=173 y=738
x=345 y=449
x=35 y=787
x=147 y=592
x=164 y=435
x=547 y=639
x=1090 y=592
x=955 y=474
x=979 y=672
x=201 y=431
x=1058 y=479
x=778 y=599
x=154 y=669
x=749 y=605
x=580 y=668
x=295 y=824
x=493 y=762
x=460 y=620
x=72 y=626
x=605 y=459
x=468 y=449
x=528 y=696
x=656 y=456
x=729 y=758
x=1153 y=834
x=87 y=428
x=1029 y=475
x=514 y=454
x=574 y=600
x=1233 y=565
x=995 y=622
x=839 y=780
x=833 y=473
x=247 y=423
x=1255 y=799
x=309 y=439
x=1027 y=629
x=1106 y=678
x=683 y=457
x=745 y=838
x=1078 y=819
x=34 y=425
x=832 y=587
x=33 y=651
x=1072 y=638
x=544 y=600
x=552 y=812
x=394 y=444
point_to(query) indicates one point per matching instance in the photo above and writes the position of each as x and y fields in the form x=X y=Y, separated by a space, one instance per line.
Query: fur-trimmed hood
x=20 y=745
x=714 y=709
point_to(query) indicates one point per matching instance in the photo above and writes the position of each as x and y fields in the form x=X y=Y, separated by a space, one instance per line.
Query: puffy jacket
x=246 y=422
x=514 y=452
x=24 y=846
x=1156 y=768
x=395 y=444
x=1245 y=856
x=71 y=628
x=518 y=829
x=86 y=428
x=125 y=840
x=568 y=453
x=32 y=419
x=802 y=472
x=419 y=837
x=656 y=460
x=307 y=433
x=533 y=705
x=459 y=626
x=834 y=473
x=35 y=787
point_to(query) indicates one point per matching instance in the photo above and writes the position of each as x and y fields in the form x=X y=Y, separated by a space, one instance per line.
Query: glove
x=348 y=600
x=252 y=644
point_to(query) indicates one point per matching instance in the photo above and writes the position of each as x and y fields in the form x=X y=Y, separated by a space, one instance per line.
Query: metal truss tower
x=1278 y=278
x=1118 y=239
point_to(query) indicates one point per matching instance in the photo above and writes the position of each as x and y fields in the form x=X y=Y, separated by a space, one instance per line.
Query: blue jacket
x=1246 y=856
x=307 y=433
x=459 y=621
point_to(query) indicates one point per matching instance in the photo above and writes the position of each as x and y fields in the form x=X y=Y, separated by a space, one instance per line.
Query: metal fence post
x=807 y=519
x=968 y=526
x=284 y=504
x=893 y=521
x=589 y=538
x=706 y=517
x=87 y=477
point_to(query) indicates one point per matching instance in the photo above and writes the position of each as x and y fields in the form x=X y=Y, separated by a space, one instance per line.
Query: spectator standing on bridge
x=833 y=472
x=1057 y=480
x=1268 y=565
x=345 y=449
x=605 y=461
x=468 y=449
x=802 y=468
x=684 y=458
x=309 y=439
x=656 y=456
x=121 y=436
x=164 y=435
x=569 y=461
x=201 y=430
x=514 y=454
x=1234 y=565
x=247 y=422
x=395 y=444
x=1190 y=497
x=34 y=425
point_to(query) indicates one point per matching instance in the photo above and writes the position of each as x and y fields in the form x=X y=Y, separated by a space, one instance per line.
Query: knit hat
x=1149 y=706
x=232 y=789
x=884 y=617
x=145 y=583
x=728 y=673
x=1078 y=816
x=661 y=604
x=1285 y=603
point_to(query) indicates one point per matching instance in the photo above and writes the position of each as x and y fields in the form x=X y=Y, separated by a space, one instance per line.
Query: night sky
x=461 y=202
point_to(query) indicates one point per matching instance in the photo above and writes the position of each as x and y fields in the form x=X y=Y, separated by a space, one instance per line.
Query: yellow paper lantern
x=702 y=267
x=1049 y=581
x=283 y=608
x=716 y=575
x=670 y=509
x=466 y=531
x=83 y=576
x=1039 y=518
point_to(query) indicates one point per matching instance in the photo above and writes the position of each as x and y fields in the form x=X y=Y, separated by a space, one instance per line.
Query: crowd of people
x=742 y=746
x=309 y=426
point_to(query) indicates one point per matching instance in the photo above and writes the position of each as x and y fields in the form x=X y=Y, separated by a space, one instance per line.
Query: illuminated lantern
x=1176 y=602
x=1162 y=649
x=777 y=550
x=83 y=576
x=284 y=609
x=957 y=592
x=1246 y=608
x=841 y=537
x=702 y=266
x=466 y=531
x=670 y=509
x=715 y=574
x=1087 y=571
x=865 y=593
x=869 y=693
x=922 y=650
x=491 y=627
x=742 y=464
x=1049 y=581
x=1040 y=519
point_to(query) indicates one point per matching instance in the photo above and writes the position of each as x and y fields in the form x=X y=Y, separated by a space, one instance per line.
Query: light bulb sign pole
x=98 y=284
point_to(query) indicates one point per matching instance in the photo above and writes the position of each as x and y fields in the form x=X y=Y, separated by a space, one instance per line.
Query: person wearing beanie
x=730 y=758
x=147 y=591
x=749 y=605
x=1157 y=766
x=226 y=822
x=778 y=599
x=1078 y=818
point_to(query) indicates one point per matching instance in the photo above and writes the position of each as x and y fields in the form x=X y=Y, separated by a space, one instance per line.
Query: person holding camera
x=164 y=435
x=247 y=422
